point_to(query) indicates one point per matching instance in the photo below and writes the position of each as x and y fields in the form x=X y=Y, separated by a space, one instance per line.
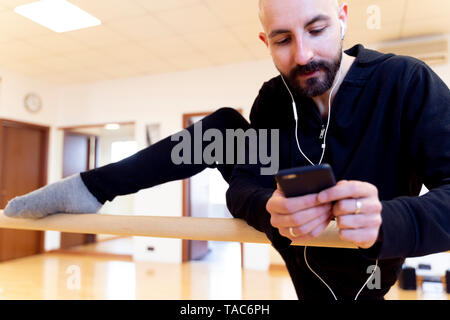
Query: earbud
x=343 y=29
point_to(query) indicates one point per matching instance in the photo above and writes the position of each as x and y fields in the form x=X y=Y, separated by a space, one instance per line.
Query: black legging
x=153 y=166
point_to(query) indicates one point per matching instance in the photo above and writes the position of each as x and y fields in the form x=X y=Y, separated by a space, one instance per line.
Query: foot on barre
x=69 y=195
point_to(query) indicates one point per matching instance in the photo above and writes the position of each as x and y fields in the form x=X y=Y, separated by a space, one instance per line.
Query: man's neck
x=322 y=100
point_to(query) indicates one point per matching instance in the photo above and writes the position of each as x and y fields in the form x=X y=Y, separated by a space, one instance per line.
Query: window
x=122 y=149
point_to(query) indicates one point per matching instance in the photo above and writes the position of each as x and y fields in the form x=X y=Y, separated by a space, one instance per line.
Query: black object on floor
x=407 y=279
x=447 y=281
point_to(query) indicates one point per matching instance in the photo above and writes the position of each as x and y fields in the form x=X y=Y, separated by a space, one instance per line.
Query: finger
x=285 y=232
x=317 y=231
x=348 y=206
x=310 y=226
x=363 y=236
x=298 y=238
x=349 y=189
x=277 y=197
x=282 y=205
x=301 y=217
x=358 y=221
x=279 y=191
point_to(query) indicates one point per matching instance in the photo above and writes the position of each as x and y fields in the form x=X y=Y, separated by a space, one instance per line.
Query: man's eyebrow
x=320 y=17
x=274 y=33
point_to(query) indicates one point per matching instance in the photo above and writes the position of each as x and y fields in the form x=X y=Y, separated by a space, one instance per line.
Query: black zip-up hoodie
x=390 y=126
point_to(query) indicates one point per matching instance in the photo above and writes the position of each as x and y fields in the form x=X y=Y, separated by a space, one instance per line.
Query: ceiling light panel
x=57 y=15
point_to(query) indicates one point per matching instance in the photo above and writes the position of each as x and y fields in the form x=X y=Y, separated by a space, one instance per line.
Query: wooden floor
x=86 y=274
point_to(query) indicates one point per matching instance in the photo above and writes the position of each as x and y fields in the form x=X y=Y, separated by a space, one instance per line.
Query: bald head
x=264 y=5
x=262 y=2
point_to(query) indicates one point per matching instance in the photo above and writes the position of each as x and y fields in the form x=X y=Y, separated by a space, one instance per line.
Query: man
x=388 y=133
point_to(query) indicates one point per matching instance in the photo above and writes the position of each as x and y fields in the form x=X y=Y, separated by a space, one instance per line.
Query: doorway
x=204 y=196
x=90 y=147
x=79 y=155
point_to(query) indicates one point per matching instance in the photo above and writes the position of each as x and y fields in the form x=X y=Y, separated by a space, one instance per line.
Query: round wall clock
x=33 y=102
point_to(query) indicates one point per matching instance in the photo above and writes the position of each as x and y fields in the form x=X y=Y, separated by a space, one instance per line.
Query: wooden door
x=23 y=168
x=77 y=156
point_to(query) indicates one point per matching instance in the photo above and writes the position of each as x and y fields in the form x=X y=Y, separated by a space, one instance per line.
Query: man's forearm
x=416 y=226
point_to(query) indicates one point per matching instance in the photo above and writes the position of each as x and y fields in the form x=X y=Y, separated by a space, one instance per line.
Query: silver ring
x=358 y=207
x=292 y=232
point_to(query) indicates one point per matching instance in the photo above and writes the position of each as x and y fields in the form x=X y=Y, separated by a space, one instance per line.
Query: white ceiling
x=140 y=37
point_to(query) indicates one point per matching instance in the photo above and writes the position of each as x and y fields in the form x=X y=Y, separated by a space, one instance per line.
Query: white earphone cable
x=365 y=284
x=328 y=122
x=306 y=260
x=294 y=106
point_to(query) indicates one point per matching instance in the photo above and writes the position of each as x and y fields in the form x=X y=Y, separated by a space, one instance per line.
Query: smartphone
x=302 y=181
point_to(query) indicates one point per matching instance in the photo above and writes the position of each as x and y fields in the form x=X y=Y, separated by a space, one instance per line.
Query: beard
x=314 y=86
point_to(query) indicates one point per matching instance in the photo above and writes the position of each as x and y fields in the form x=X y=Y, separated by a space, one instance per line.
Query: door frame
x=94 y=125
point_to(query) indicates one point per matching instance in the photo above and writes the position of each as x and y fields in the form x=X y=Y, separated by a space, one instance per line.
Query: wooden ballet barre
x=188 y=228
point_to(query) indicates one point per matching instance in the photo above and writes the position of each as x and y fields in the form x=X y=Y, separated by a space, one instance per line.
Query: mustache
x=310 y=67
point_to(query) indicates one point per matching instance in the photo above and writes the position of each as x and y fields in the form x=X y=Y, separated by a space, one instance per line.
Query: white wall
x=444 y=72
x=13 y=88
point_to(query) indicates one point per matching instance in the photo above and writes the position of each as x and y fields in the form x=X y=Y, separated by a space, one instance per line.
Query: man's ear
x=343 y=14
x=263 y=38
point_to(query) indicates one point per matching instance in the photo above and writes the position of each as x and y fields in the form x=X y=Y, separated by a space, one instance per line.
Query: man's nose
x=303 y=53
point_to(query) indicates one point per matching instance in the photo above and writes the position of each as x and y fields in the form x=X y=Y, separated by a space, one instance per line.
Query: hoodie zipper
x=322 y=132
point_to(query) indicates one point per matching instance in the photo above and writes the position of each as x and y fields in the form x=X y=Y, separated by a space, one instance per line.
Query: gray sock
x=69 y=195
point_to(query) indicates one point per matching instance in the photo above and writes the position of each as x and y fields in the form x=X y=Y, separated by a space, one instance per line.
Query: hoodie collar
x=365 y=63
x=367 y=56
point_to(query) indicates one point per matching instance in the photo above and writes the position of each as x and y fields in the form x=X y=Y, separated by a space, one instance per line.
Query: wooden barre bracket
x=188 y=228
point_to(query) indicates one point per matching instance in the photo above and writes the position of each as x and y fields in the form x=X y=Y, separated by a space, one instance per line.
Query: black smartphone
x=301 y=181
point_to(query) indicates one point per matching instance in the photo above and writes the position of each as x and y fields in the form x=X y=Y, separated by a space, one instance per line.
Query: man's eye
x=317 y=31
x=282 y=41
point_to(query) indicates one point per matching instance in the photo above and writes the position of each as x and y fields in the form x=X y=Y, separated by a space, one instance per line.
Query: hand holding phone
x=295 y=209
